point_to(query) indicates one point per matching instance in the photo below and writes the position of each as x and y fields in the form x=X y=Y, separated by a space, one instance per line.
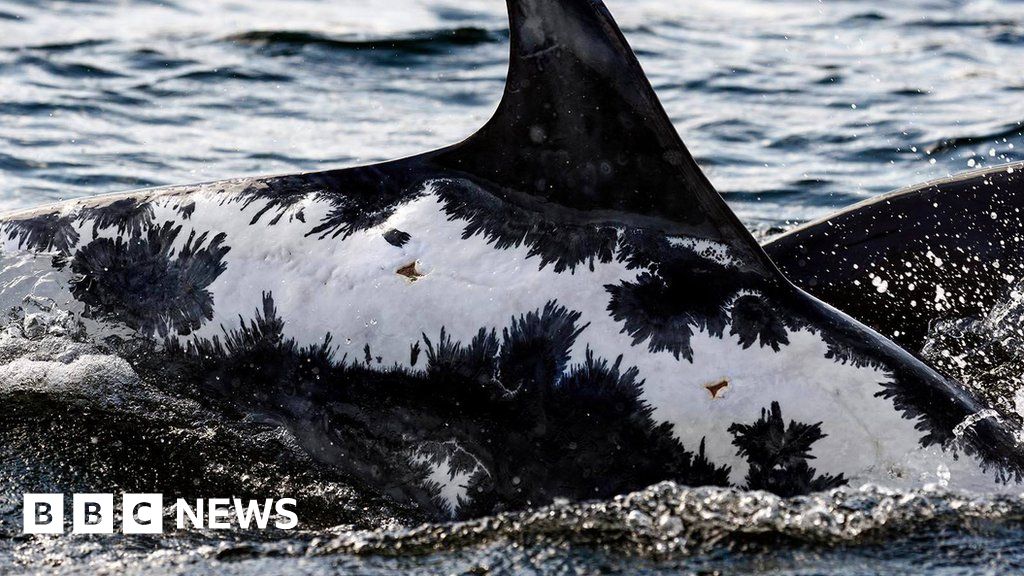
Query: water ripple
x=428 y=42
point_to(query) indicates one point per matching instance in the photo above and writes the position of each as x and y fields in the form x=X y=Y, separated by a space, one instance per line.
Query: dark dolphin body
x=943 y=250
x=561 y=306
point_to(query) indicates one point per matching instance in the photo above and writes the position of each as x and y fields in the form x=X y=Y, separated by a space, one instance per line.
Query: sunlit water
x=793 y=108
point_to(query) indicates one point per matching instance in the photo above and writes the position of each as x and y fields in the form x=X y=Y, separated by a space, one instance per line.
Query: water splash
x=986 y=353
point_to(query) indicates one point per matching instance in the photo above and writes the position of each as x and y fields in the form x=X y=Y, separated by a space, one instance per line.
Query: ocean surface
x=793 y=107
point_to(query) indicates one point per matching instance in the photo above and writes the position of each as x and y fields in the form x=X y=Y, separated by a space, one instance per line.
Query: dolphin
x=937 y=267
x=905 y=261
x=559 y=307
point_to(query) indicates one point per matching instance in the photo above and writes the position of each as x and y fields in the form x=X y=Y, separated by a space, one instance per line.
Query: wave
x=58 y=46
x=422 y=42
x=668 y=520
x=664 y=529
x=1014 y=130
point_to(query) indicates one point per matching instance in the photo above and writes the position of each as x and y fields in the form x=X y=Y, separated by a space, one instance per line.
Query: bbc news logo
x=143 y=514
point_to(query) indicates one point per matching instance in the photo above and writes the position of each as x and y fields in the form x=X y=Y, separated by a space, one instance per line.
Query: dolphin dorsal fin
x=580 y=125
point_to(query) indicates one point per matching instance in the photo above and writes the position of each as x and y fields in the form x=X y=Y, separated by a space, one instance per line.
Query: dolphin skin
x=941 y=251
x=561 y=306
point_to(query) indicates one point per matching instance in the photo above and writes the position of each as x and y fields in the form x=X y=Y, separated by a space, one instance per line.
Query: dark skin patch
x=396 y=237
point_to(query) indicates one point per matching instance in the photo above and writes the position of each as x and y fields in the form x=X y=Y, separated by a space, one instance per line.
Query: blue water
x=793 y=108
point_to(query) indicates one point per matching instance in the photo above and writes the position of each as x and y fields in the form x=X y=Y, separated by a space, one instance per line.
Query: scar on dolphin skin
x=410 y=271
x=716 y=387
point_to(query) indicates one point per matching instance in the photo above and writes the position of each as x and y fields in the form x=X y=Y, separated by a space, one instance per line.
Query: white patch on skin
x=454 y=487
x=709 y=249
x=350 y=288
x=867 y=439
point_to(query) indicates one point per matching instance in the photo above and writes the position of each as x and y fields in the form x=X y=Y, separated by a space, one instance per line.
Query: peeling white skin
x=351 y=289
